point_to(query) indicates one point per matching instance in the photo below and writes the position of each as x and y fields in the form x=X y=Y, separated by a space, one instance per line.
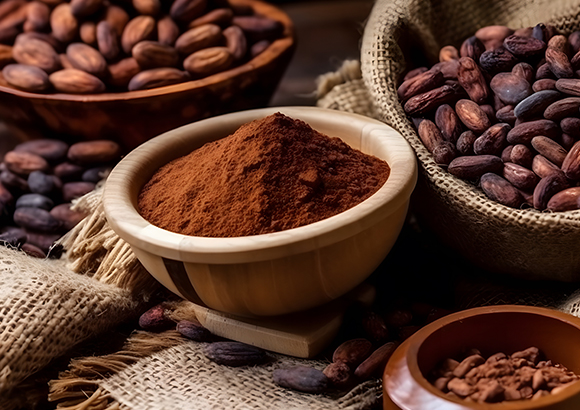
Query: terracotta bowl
x=491 y=330
x=134 y=117
x=277 y=273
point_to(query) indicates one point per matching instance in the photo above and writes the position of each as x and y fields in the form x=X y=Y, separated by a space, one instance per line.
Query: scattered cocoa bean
x=301 y=378
x=235 y=354
x=194 y=331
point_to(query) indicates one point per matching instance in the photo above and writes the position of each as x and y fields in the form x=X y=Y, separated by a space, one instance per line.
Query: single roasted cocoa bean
x=500 y=190
x=36 y=219
x=167 y=31
x=352 y=352
x=157 y=77
x=506 y=153
x=544 y=71
x=88 y=33
x=41 y=183
x=430 y=135
x=567 y=141
x=67 y=171
x=520 y=177
x=301 y=378
x=50 y=149
x=472 y=116
x=86 y=58
x=32 y=250
x=12 y=181
x=544 y=84
x=259 y=47
x=535 y=105
x=74 y=190
x=107 y=40
x=565 y=107
x=465 y=142
x=506 y=115
x=194 y=331
x=236 y=42
x=493 y=36
x=35 y=52
x=571 y=126
x=420 y=83
x=147 y=7
x=186 y=10
x=574 y=40
x=427 y=101
x=258 y=27
x=448 y=123
x=571 y=163
x=473 y=167
x=208 y=61
x=374 y=327
x=559 y=63
x=444 y=153
x=566 y=200
x=151 y=54
x=63 y=23
x=37 y=16
x=35 y=201
x=117 y=17
x=525 y=71
x=472 y=47
x=74 y=81
x=510 y=88
x=549 y=149
x=198 y=38
x=234 y=354
x=138 y=29
x=497 y=60
x=376 y=362
x=96 y=151
x=559 y=42
x=472 y=80
x=568 y=86
x=524 y=132
x=26 y=77
x=155 y=319
x=448 y=68
x=521 y=155
x=67 y=216
x=548 y=187
x=524 y=47
x=23 y=163
x=543 y=167
x=492 y=141
x=339 y=374
x=121 y=73
x=220 y=16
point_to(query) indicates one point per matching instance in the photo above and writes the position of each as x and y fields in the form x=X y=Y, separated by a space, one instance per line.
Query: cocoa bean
x=74 y=190
x=429 y=134
x=151 y=54
x=63 y=23
x=155 y=319
x=88 y=33
x=427 y=101
x=37 y=16
x=339 y=374
x=548 y=187
x=420 y=83
x=571 y=163
x=258 y=27
x=472 y=47
x=84 y=8
x=472 y=80
x=567 y=141
x=352 y=352
x=96 y=174
x=36 y=219
x=500 y=190
x=96 y=151
x=67 y=171
x=566 y=200
x=544 y=84
x=489 y=111
x=468 y=363
x=208 y=61
x=50 y=149
x=507 y=115
x=492 y=141
x=74 y=81
x=521 y=155
x=543 y=71
x=559 y=63
x=67 y=216
x=14 y=237
x=186 y=10
x=86 y=58
x=506 y=153
x=520 y=177
x=26 y=77
x=549 y=149
x=448 y=123
x=524 y=132
x=465 y=142
x=525 y=71
x=497 y=60
x=543 y=167
x=301 y=378
x=414 y=72
x=194 y=331
x=107 y=41
x=32 y=250
x=37 y=53
x=13 y=181
x=198 y=38
x=565 y=107
x=147 y=7
x=559 y=42
x=493 y=36
x=444 y=153
x=43 y=240
x=137 y=29
x=35 y=201
x=117 y=17
x=510 y=88
x=472 y=116
x=41 y=183
x=259 y=47
x=535 y=105
x=167 y=31
x=121 y=73
x=473 y=167
x=376 y=362
x=524 y=47
x=574 y=40
x=157 y=77
x=448 y=69
x=23 y=163
x=568 y=86
x=220 y=16
x=236 y=42
x=235 y=354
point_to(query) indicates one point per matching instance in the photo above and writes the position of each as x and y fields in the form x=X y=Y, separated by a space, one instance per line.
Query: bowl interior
x=370 y=136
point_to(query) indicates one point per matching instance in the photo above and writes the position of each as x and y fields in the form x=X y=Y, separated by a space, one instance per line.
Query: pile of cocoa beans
x=38 y=181
x=503 y=112
x=93 y=46
x=521 y=375
x=359 y=353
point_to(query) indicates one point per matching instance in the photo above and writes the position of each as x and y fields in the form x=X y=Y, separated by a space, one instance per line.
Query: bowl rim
x=404 y=363
x=274 y=51
x=123 y=217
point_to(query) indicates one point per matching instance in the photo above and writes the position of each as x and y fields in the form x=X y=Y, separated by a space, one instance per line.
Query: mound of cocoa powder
x=272 y=174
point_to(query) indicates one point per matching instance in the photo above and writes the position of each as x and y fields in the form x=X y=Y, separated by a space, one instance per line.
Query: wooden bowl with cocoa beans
x=505 y=357
x=285 y=270
x=128 y=71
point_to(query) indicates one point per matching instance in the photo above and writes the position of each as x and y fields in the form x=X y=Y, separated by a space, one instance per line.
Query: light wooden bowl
x=490 y=329
x=133 y=117
x=277 y=273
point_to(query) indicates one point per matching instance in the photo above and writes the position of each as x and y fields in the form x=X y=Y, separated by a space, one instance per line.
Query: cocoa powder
x=272 y=174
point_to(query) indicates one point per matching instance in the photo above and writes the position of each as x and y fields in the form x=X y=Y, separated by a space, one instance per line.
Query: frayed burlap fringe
x=95 y=250
x=78 y=387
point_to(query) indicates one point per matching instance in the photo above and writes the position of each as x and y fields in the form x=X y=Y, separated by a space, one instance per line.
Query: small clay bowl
x=133 y=117
x=493 y=329
x=276 y=273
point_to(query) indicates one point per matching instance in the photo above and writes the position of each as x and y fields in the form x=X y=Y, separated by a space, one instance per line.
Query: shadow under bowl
x=493 y=329
x=276 y=273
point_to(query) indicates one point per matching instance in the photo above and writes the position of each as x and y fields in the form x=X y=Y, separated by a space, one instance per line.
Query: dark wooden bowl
x=133 y=117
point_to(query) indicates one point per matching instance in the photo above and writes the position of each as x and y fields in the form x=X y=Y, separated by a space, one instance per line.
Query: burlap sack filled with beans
x=402 y=34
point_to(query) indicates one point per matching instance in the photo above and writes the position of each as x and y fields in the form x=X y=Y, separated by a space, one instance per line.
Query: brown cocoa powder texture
x=272 y=174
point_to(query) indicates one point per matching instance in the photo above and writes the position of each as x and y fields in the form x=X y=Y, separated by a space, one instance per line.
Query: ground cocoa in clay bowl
x=272 y=174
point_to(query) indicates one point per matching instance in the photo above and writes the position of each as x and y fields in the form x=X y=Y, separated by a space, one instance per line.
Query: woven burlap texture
x=521 y=242
x=45 y=309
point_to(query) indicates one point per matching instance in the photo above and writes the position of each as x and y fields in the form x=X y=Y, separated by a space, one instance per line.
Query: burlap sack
x=523 y=243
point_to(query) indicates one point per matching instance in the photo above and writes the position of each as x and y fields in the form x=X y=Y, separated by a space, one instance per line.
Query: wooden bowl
x=277 y=273
x=491 y=330
x=133 y=117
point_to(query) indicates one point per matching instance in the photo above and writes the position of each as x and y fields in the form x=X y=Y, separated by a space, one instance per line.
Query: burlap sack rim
x=374 y=72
